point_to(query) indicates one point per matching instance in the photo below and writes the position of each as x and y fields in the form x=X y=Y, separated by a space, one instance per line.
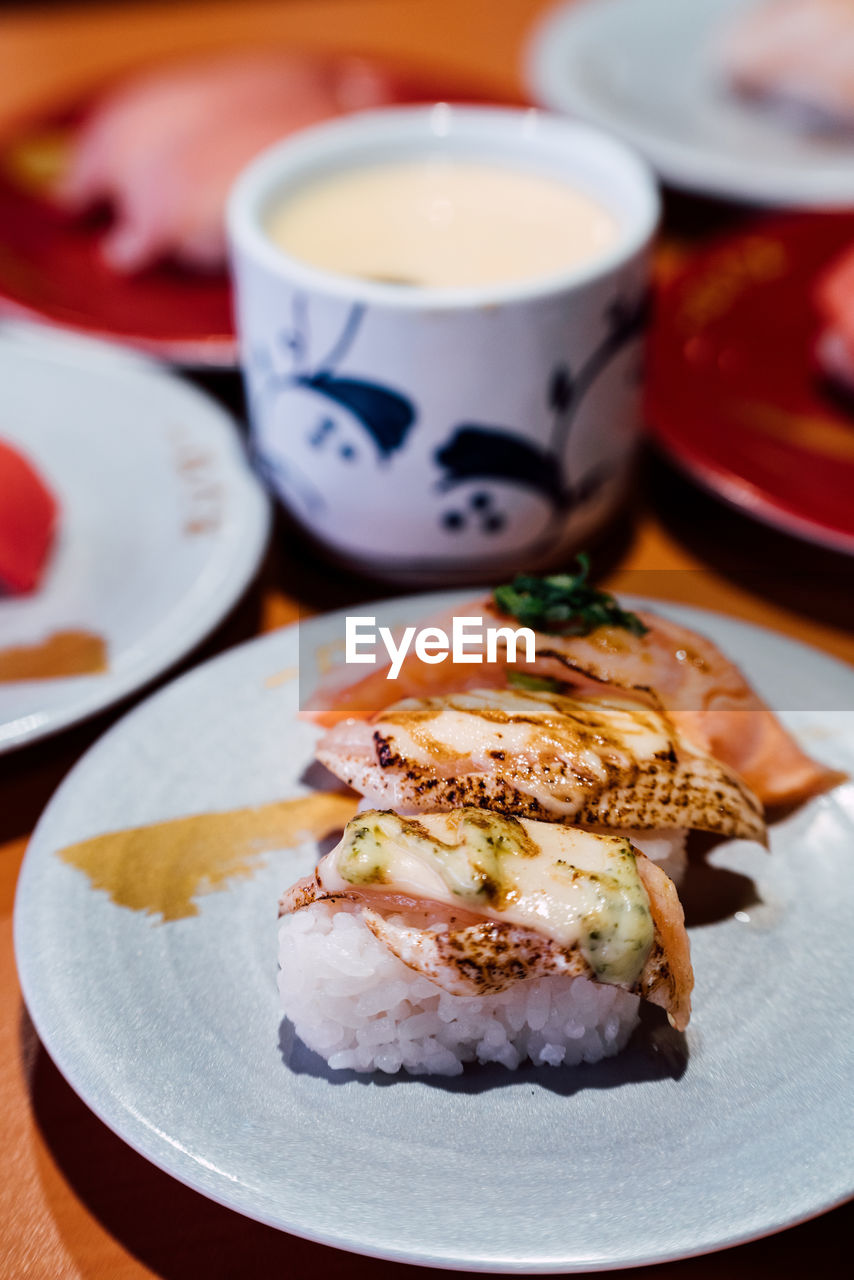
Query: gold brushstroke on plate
x=203 y=495
x=285 y=676
x=161 y=869
x=65 y=653
x=329 y=654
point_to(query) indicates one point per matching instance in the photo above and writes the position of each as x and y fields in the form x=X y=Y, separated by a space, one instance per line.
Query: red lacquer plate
x=51 y=268
x=734 y=392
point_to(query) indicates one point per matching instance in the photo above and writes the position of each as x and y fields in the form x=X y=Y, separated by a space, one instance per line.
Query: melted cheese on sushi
x=578 y=889
x=478 y=902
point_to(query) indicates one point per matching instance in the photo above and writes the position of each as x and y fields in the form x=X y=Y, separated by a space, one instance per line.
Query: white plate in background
x=161 y=523
x=647 y=71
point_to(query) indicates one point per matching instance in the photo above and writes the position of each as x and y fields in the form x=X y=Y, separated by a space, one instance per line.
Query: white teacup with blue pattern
x=445 y=433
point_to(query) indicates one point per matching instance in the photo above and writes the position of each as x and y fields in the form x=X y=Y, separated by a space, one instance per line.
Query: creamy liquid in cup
x=437 y=223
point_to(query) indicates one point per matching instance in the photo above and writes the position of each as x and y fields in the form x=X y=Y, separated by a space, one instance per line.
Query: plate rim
x=711 y=473
x=245 y=553
x=159 y=1154
x=744 y=496
x=213 y=353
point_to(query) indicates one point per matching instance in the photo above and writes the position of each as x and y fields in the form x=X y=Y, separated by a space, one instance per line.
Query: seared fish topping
x=598 y=761
x=477 y=901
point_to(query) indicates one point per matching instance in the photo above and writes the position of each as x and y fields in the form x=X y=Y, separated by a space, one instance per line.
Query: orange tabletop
x=76 y=1201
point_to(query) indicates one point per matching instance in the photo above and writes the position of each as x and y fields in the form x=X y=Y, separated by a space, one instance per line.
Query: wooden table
x=77 y=1202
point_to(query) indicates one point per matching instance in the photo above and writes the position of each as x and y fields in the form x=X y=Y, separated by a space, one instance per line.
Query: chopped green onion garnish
x=564 y=604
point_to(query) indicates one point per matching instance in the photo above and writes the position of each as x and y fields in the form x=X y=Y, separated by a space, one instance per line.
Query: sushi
x=795 y=57
x=29 y=515
x=422 y=944
x=164 y=146
x=655 y=661
x=599 y=761
x=505 y=891
x=834 y=301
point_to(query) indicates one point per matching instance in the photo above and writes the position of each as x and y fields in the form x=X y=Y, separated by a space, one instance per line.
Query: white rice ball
x=353 y=1002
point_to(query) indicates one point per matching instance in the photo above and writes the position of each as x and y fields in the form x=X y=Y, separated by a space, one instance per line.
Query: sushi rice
x=352 y=1001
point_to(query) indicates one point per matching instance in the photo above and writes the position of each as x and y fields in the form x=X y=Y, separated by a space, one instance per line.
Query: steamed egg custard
x=579 y=889
x=442 y=223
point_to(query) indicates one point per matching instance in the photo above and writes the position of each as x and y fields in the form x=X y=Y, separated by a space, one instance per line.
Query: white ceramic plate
x=646 y=70
x=171 y=1032
x=162 y=525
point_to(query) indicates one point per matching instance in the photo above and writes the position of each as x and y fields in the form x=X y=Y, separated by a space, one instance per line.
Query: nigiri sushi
x=164 y=146
x=795 y=56
x=650 y=658
x=470 y=935
x=29 y=515
x=834 y=300
x=603 y=762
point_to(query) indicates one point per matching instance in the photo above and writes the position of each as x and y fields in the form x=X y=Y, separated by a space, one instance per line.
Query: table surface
x=75 y=1201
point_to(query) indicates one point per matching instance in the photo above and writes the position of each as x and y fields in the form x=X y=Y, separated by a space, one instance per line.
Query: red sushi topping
x=834 y=297
x=28 y=517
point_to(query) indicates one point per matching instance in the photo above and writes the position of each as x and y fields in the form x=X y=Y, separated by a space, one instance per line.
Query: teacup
x=445 y=433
